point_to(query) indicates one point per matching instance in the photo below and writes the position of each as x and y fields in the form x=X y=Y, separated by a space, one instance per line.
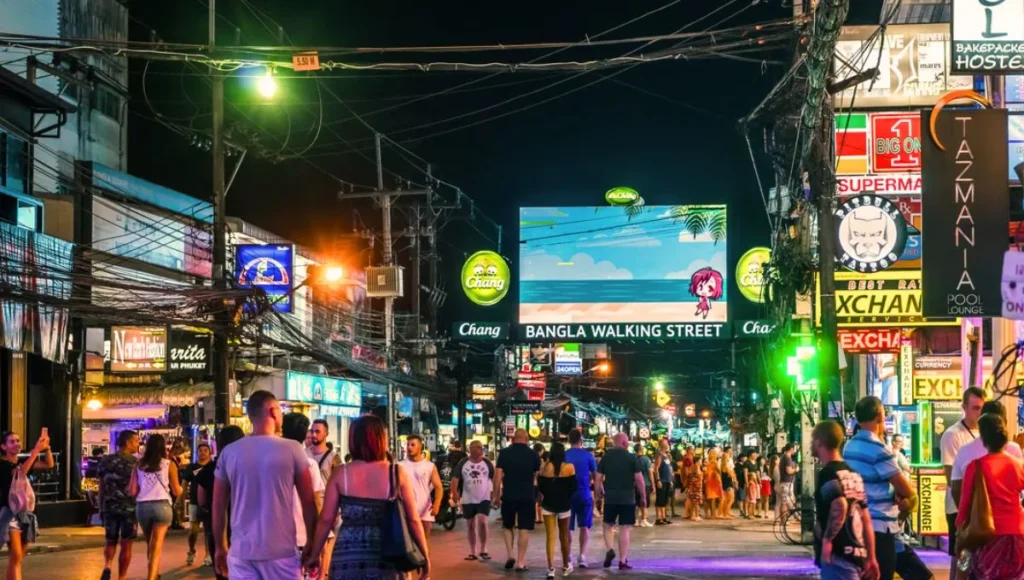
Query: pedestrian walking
x=515 y=494
x=472 y=485
x=784 y=498
x=328 y=459
x=713 y=490
x=188 y=475
x=581 y=512
x=154 y=485
x=257 y=476
x=619 y=478
x=765 y=495
x=1002 y=475
x=543 y=454
x=752 y=477
x=663 y=483
x=205 y=482
x=295 y=426
x=426 y=481
x=953 y=439
x=358 y=492
x=844 y=546
x=888 y=491
x=693 y=479
x=18 y=525
x=557 y=483
x=117 y=506
x=740 y=473
x=647 y=467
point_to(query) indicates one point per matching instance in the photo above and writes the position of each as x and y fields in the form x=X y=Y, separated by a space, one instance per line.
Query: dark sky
x=670 y=131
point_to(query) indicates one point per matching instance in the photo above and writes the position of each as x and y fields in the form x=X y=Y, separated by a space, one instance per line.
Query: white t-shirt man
x=975 y=450
x=954 y=439
x=476 y=478
x=421 y=475
x=318 y=487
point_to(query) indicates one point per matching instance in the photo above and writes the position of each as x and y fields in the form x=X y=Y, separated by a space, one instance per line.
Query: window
x=21 y=210
x=107 y=103
x=28 y=215
x=13 y=162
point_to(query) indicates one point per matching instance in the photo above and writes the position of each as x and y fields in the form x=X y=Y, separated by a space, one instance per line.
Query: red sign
x=535 y=395
x=870 y=340
x=531 y=380
x=895 y=142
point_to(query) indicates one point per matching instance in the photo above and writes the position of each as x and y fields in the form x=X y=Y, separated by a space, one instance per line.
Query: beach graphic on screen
x=616 y=265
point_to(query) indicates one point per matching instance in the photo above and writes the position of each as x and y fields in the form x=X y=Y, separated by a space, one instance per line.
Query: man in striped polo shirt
x=888 y=490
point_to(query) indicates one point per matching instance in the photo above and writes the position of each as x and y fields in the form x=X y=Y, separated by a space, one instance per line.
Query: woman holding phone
x=17 y=530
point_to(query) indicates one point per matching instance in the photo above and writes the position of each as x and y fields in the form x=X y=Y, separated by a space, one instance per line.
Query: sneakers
x=608 y=557
x=551 y=573
x=581 y=562
x=208 y=561
x=567 y=570
x=191 y=558
x=645 y=524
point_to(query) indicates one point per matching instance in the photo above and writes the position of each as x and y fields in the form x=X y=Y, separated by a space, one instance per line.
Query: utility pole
x=221 y=373
x=389 y=302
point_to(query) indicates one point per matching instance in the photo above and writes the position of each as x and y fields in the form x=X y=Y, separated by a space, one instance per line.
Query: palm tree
x=698 y=219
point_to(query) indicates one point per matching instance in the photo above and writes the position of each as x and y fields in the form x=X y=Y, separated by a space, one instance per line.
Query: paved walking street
x=736 y=549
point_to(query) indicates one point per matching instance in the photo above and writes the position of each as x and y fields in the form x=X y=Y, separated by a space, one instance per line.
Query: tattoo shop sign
x=966 y=207
x=639 y=331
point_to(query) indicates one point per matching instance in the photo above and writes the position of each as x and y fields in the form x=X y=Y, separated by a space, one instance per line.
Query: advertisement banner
x=754 y=328
x=131 y=232
x=988 y=37
x=581 y=332
x=870 y=340
x=568 y=360
x=887 y=184
x=523 y=407
x=890 y=298
x=321 y=390
x=483 y=392
x=190 y=352
x=486 y=278
x=126 y=185
x=267 y=267
x=871 y=233
x=937 y=378
x=480 y=330
x=530 y=380
x=852 y=144
x=965 y=206
x=931 y=508
x=136 y=349
x=895 y=142
x=622 y=267
x=915 y=65
x=750 y=270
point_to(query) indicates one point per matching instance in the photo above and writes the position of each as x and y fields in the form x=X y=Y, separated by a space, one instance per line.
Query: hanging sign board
x=886 y=299
x=988 y=37
x=870 y=340
x=305 y=61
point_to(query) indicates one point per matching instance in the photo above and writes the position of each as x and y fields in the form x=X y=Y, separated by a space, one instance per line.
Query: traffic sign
x=662 y=398
x=895 y=142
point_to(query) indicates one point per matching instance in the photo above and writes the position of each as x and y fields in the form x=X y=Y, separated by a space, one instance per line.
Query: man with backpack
x=327 y=459
x=472 y=485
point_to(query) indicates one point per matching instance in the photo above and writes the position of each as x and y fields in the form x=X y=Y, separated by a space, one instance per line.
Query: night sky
x=668 y=129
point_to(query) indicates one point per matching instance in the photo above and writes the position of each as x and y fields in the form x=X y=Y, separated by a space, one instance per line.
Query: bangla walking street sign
x=628 y=331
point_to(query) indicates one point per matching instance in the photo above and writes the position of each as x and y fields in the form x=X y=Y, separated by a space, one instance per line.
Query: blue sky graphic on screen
x=269 y=268
x=614 y=264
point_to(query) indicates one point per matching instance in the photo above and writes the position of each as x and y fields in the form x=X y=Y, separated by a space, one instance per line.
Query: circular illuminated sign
x=750 y=273
x=622 y=196
x=485 y=278
x=871 y=234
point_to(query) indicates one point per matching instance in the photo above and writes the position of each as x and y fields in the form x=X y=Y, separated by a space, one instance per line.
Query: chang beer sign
x=750 y=274
x=485 y=278
x=623 y=196
x=754 y=328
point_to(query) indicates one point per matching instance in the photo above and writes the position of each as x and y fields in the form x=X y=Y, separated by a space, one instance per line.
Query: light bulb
x=267 y=85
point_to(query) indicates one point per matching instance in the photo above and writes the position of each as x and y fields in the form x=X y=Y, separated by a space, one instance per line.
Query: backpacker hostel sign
x=988 y=36
x=891 y=299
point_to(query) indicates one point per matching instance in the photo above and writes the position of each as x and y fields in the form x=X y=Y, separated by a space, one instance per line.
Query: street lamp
x=267 y=85
x=659 y=386
x=333 y=274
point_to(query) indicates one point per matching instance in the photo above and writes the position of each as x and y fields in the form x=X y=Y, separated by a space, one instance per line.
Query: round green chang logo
x=750 y=274
x=485 y=278
x=621 y=196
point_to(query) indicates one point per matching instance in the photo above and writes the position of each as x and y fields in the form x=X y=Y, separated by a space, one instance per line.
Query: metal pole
x=389 y=302
x=222 y=396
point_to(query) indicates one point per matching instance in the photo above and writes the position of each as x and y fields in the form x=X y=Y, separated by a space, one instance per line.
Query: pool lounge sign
x=627 y=331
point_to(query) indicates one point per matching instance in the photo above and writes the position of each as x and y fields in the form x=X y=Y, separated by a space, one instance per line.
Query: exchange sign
x=889 y=299
x=870 y=340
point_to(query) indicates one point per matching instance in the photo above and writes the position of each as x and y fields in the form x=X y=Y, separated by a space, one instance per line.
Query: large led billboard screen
x=648 y=272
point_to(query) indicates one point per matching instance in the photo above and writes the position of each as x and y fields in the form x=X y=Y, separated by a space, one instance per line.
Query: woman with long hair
x=766 y=487
x=712 y=485
x=557 y=482
x=358 y=492
x=694 y=481
x=1002 y=558
x=728 y=484
x=18 y=530
x=154 y=482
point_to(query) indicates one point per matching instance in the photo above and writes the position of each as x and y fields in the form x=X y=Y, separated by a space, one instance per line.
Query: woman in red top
x=1003 y=557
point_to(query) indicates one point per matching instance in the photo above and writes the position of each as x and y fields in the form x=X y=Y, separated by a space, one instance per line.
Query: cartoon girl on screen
x=706 y=284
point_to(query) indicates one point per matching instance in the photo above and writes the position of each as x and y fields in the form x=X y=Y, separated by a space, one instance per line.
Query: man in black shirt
x=619 y=480
x=514 y=480
x=844 y=544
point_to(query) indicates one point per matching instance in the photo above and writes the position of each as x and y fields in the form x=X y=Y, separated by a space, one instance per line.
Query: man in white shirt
x=295 y=427
x=425 y=478
x=976 y=449
x=955 y=437
x=475 y=474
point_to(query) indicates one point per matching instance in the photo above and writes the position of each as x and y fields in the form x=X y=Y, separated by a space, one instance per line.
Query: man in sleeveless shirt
x=425 y=479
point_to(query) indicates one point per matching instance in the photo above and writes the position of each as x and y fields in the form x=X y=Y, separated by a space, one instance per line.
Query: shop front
x=334 y=400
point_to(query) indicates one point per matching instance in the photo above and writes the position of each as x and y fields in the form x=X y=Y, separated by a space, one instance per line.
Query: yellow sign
x=931 y=510
x=906 y=373
x=535 y=432
x=662 y=398
x=890 y=298
x=939 y=378
x=750 y=273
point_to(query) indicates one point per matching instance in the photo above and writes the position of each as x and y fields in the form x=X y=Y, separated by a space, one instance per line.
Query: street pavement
x=731 y=549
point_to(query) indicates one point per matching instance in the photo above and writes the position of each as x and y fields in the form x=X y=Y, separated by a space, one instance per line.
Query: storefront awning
x=172 y=396
x=124 y=412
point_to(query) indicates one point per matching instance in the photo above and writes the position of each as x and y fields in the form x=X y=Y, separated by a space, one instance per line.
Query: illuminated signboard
x=750 y=274
x=871 y=234
x=906 y=373
x=931 y=510
x=940 y=378
x=268 y=267
x=988 y=36
x=531 y=380
x=568 y=360
x=486 y=278
x=138 y=349
x=895 y=142
x=594 y=273
x=890 y=298
x=321 y=390
x=483 y=392
x=870 y=340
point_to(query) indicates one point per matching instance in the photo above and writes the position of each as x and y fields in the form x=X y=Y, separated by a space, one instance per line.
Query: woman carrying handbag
x=990 y=539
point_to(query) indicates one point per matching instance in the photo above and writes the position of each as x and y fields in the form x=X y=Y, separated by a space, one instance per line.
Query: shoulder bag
x=21 y=497
x=980 y=528
x=397 y=543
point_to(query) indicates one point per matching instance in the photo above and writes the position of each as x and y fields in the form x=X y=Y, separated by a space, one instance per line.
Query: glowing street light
x=94 y=404
x=333 y=274
x=267 y=85
x=603 y=367
x=659 y=386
